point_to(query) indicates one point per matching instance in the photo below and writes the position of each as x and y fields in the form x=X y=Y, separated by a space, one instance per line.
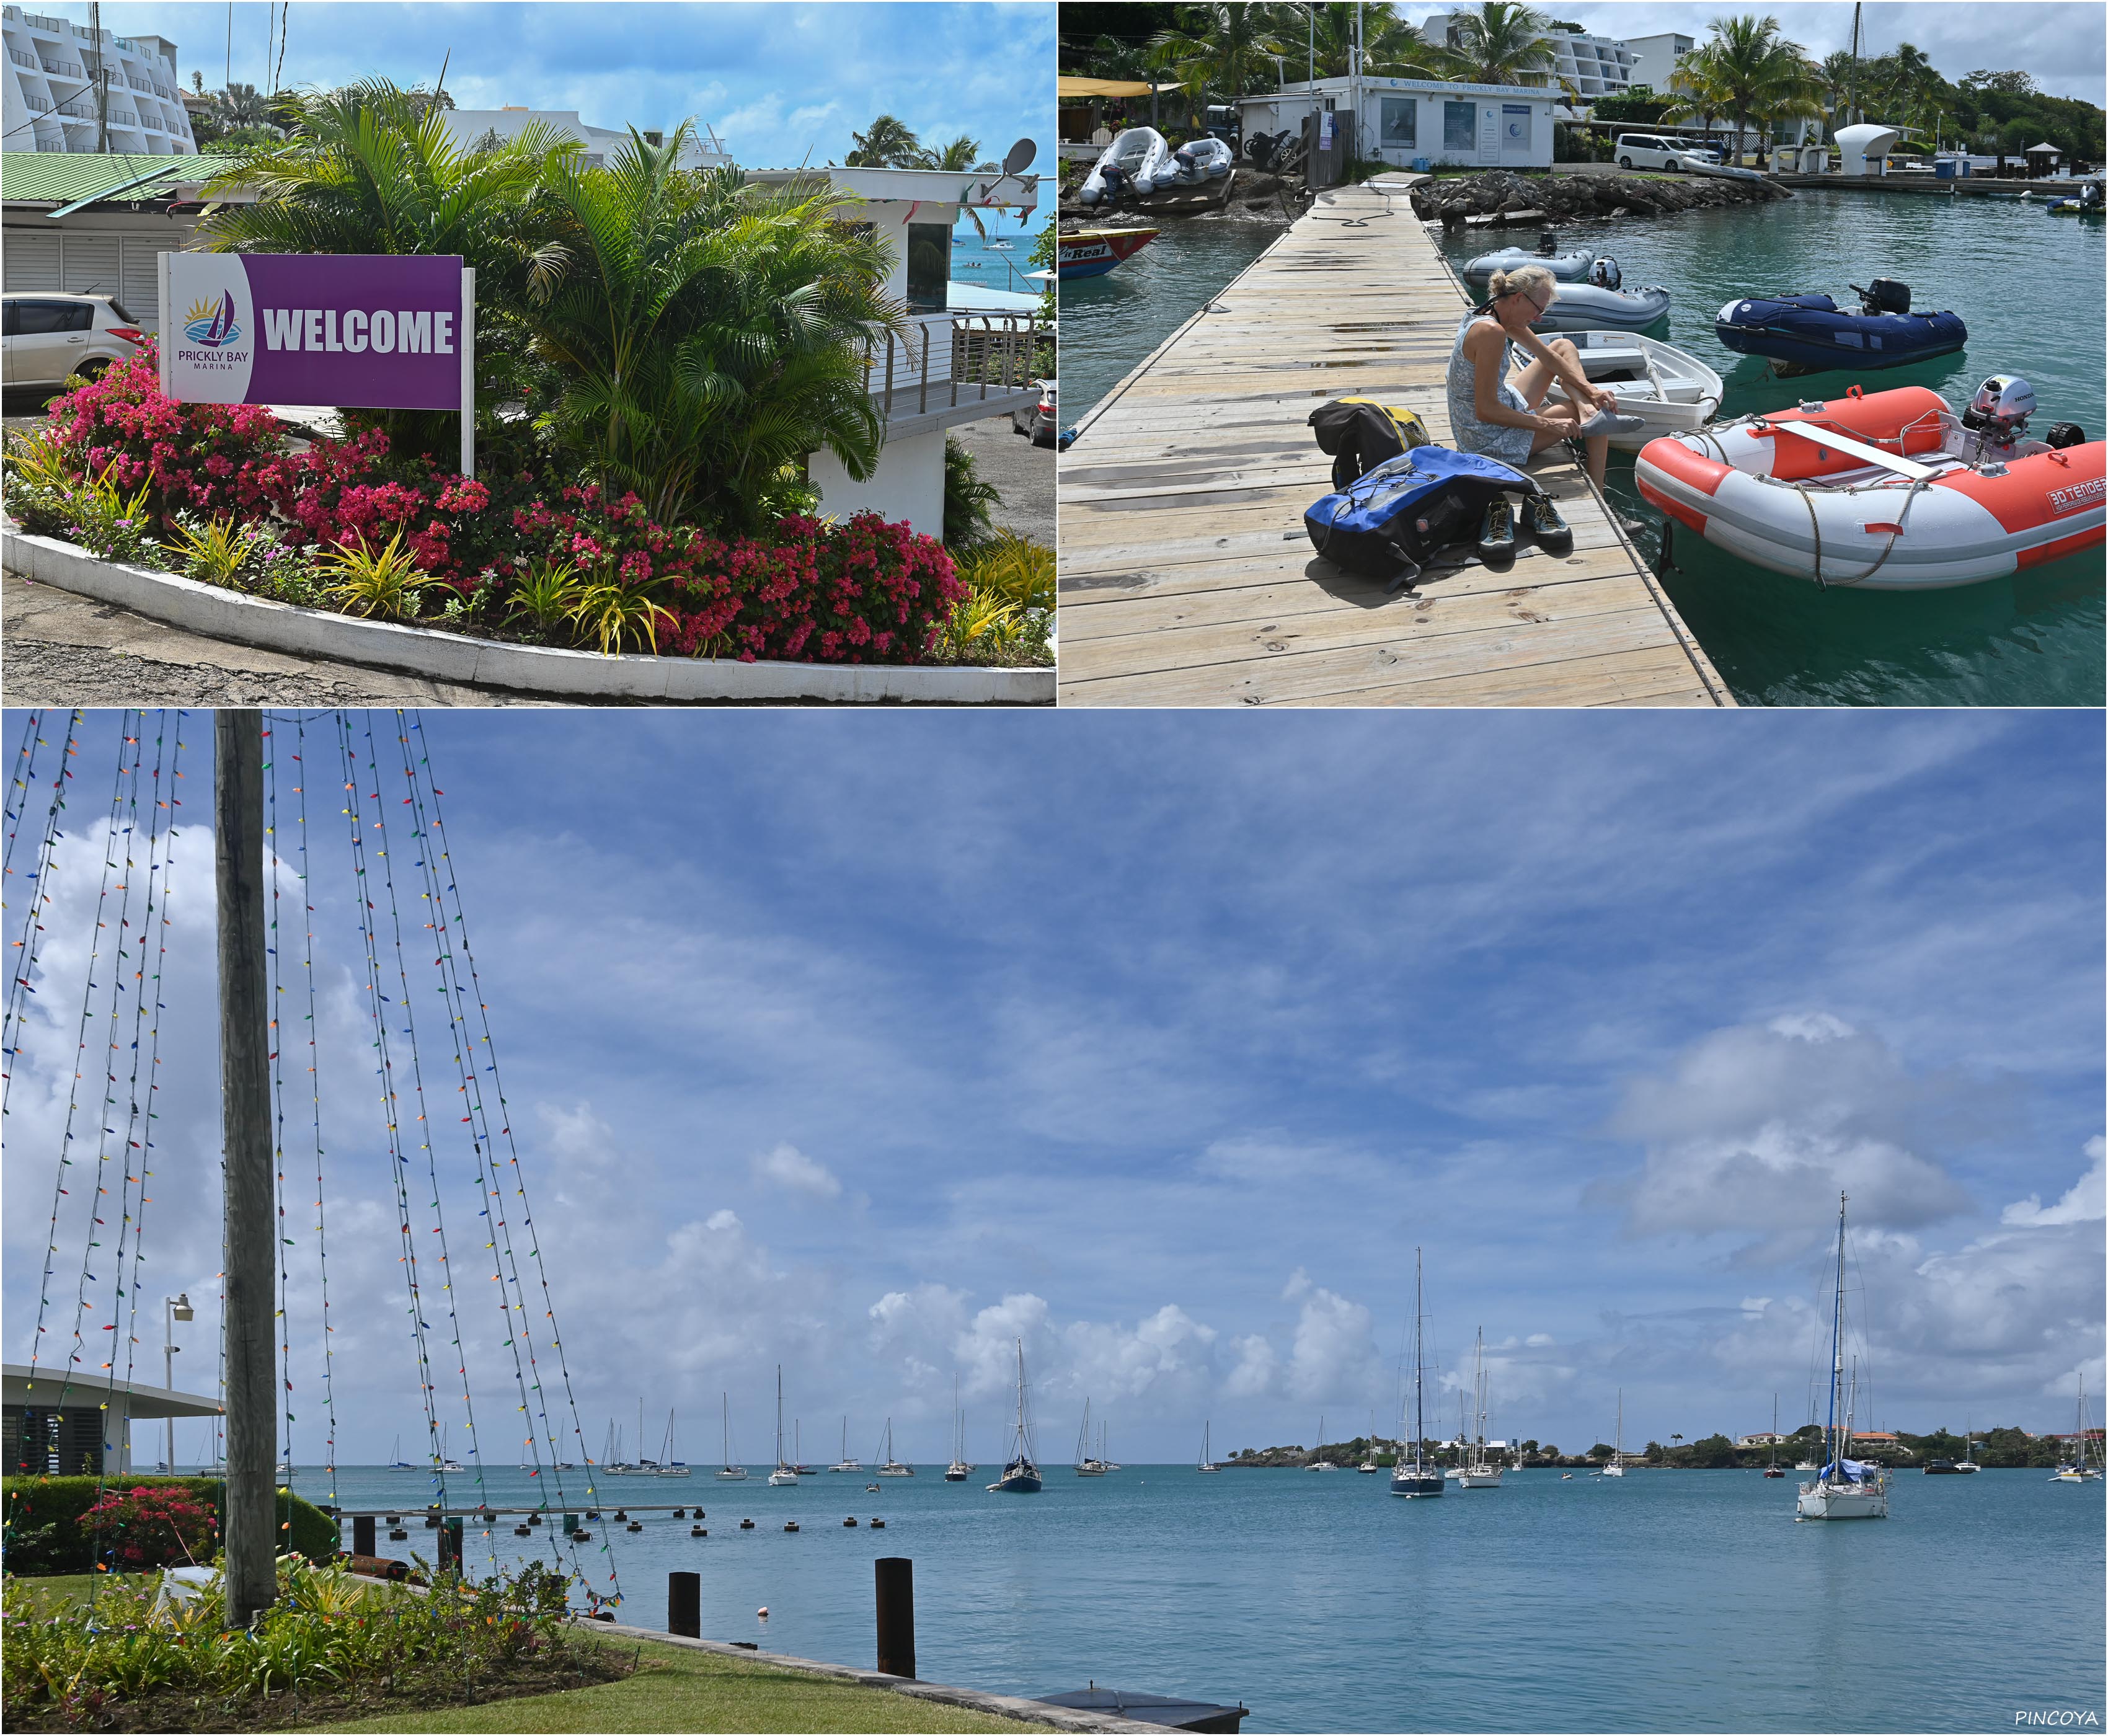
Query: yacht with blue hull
x=1021 y=1471
x=1809 y=334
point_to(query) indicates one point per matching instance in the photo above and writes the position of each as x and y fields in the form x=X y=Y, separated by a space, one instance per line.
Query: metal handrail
x=986 y=349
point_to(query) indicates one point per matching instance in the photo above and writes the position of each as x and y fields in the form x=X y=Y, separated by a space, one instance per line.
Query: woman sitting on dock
x=1499 y=416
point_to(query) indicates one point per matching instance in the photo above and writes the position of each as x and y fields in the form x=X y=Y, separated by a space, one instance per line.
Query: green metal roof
x=61 y=177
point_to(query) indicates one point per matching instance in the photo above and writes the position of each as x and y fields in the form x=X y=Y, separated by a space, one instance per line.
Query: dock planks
x=1187 y=578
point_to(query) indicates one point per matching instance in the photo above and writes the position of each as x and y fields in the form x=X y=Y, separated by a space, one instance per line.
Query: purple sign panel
x=367 y=330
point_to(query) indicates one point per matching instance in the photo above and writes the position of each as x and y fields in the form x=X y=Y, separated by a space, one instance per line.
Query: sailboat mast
x=1419 y=1364
x=1836 y=1313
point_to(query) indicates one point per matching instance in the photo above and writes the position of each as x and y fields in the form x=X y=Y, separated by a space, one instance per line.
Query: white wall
x=909 y=484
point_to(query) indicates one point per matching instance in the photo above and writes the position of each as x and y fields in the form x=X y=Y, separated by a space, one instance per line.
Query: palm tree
x=1223 y=49
x=242 y=105
x=1834 y=79
x=710 y=334
x=371 y=168
x=1750 y=72
x=1503 y=43
x=960 y=156
x=1391 y=46
x=888 y=144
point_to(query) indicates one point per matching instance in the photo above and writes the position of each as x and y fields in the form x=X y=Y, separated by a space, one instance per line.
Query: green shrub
x=968 y=496
x=42 y=1533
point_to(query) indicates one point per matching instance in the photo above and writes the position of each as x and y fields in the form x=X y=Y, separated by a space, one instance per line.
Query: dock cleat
x=1497 y=536
x=1542 y=523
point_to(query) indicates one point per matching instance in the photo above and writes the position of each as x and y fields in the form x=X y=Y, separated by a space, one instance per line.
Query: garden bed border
x=217 y=613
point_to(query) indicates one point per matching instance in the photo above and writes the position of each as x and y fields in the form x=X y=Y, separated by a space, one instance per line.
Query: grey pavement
x=1022 y=472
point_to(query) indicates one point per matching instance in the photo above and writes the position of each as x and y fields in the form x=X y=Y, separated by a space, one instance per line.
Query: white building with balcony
x=704 y=150
x=953 y=365
x=1590 y=67
x=66 y=89
x=1655 y=58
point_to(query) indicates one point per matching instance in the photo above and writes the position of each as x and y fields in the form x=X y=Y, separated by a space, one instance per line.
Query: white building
x=956 y=365
x=50 y=99
x=1655 y=58
x=1591 y=66
x=1402 y=120
x=703 y=151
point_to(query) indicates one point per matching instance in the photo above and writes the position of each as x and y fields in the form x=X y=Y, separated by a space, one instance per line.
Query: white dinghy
x=1137 y=161
x=1671 y=389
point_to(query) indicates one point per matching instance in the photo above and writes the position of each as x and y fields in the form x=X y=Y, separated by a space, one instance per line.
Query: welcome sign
x=376 y=332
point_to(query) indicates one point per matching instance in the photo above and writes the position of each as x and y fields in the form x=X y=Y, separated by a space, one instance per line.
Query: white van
x=1648 y=151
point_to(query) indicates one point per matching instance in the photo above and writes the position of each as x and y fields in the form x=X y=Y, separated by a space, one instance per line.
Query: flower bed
x=222 y=495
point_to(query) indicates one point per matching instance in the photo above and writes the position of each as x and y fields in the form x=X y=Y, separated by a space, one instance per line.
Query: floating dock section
x=1186 y=575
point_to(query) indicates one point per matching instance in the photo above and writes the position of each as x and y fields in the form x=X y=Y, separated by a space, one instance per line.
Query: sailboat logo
x=212 y=324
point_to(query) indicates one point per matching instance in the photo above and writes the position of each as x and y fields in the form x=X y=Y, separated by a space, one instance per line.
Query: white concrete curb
x=1003 y=1704
x=219 y=614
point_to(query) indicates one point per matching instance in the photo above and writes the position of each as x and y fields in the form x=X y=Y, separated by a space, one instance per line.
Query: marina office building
x=1402 y=121
x=66 y=88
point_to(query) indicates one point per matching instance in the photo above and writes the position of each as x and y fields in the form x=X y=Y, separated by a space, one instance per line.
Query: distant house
x=1763 y=1438
x=465 y=126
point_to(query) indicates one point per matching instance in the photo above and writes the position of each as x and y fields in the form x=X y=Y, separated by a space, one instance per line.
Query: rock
x=1623 y=210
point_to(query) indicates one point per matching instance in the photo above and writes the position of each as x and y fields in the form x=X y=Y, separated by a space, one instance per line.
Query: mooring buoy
x=850 y=1521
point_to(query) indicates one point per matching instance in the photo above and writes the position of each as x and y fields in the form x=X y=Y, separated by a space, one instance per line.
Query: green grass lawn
x=58 y=1590
x=678 y=1690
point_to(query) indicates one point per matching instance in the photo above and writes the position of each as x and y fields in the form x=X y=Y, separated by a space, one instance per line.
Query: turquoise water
x=1000 y=261
x=2036 y=638
x=1109 y=324
x=1670 y=1601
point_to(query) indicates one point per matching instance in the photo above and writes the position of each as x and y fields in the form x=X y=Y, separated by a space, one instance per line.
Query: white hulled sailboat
x=1844 y=1488
x=1207 y=1467
x=958 y=1470
x=784 y=1476
x=733 y=1472
x=1616 y=1467
x=1087 y=1463
x=1479 y=1471
x=2078 y=1470
x=889 y=1466
x=846 y=1463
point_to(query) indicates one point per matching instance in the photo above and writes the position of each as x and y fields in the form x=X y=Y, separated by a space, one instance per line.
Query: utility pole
x=99 y=65
x=1852 y=98
x=172 y=1310
x=250 y=1248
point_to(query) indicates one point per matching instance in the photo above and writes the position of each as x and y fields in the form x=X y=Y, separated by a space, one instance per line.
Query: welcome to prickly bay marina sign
x=378 y=331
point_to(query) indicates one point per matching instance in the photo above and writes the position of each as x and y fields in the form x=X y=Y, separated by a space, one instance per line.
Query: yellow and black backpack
x=1359 y=433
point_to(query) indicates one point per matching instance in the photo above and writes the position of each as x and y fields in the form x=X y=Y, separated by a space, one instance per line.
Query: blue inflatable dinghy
x=1809 y=333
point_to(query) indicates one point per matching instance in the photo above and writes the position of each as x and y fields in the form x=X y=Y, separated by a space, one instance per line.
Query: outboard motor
x=2000 y=408
x=1605 y=274
x=1884 y=295
x=1547 y=245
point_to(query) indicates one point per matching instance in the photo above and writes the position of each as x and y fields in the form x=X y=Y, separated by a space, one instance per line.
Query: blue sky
x=780 y=82
x=868 y=1043
x=2060 y=45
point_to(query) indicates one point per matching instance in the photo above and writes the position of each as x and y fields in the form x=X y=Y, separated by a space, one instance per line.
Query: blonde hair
x=1524 y=280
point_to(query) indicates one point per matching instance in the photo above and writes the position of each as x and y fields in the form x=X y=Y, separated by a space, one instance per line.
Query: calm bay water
x=1110 y=323
x=2036 y=638
x=1670 y=1601
x=999 y=261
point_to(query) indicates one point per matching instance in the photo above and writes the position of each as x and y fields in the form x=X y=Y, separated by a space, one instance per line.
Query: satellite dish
x=1021 y=157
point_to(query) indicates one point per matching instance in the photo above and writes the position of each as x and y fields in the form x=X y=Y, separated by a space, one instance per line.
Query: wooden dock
x=1186 y=575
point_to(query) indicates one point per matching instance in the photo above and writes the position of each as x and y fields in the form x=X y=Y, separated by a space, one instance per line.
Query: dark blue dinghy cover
x=1391 y=520
x=1811 y=332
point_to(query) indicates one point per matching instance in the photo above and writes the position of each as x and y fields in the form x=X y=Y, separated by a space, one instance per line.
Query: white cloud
x=2087 y=1199
x=576 y=1137
x=790 y=1168
x=1257 y=1369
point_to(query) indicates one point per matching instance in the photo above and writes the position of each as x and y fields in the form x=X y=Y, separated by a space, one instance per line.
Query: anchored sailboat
x=733 y=1472
x=1479 y=1471
x=2078 y=1471
x=847 y=1463
x=784 y=1476
x=1616 y=1467
x=396 y=1461
x=1207 y=1464
x=890 y=1466
x=1417 y=1476
x=958 y=1470
x=1020 y=1475
x=1844 y=1488
x=1087 y=1463
x=669 y=1465
x=1771 y=1466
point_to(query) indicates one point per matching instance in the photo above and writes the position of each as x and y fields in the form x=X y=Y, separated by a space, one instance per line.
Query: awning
x=1070 y=90
x=2050 y=149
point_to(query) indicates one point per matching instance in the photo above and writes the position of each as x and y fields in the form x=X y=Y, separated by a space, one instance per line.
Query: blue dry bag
x=1391 y=522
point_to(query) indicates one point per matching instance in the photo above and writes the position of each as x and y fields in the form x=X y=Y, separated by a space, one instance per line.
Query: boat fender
x=1667 y=543
x=2061 y=435
x=1604 y=273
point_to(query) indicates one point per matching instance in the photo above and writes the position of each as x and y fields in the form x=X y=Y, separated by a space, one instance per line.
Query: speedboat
x=1091 y=253
x=1886 y=490
x=1809 y=333
x=1671 y=390
x=1137 y=161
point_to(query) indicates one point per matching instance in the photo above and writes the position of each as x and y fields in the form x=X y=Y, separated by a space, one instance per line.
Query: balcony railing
x=65 y=69
x=78 y=110
x=945 y=360
x=57 y=26
x=23 y=57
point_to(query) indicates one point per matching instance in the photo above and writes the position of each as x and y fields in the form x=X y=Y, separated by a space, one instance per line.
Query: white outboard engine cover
x=1605 y=274
x=2001 y=407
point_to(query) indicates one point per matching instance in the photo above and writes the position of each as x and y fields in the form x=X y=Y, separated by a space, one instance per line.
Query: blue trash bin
x=1943 y=171
x=1422 y=165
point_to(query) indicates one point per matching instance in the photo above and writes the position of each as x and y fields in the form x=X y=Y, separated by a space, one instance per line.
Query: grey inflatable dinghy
x=1569 y=268
x=1588 y=306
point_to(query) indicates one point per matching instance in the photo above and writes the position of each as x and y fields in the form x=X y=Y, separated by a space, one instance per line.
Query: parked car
x=1650 y=150
x=1037 y=418
x=47 y=336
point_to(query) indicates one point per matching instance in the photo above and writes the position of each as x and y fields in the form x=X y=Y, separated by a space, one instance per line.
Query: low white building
x=57 y=1426
x=1402 y=121
x=67 y=89
x=704 y=149
x=956 y=365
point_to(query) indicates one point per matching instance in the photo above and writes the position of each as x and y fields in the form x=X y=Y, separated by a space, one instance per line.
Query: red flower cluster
x=149 y=1527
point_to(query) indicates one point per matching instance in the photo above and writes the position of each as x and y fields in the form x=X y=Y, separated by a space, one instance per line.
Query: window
x=1460 y=126
x=35 y=318
x=929 y=266
x=1400 y=121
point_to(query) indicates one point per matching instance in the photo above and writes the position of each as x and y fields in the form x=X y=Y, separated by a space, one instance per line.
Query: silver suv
x=47 y=336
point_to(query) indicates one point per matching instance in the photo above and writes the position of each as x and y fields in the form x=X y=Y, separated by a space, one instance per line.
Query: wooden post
x=251 y=1245
x=450 y=1543
x=895 y=1576
x=684 y=1604
x=361 y=1534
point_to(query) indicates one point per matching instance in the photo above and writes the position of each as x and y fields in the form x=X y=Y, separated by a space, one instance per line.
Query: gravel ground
x=1025 y=473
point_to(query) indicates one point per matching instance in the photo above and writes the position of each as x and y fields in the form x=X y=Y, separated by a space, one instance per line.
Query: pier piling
x=895 y=1577
x=361 y=1534
x=684 y=1605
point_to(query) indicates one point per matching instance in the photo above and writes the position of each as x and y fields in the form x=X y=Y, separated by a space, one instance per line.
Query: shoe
x=1541 y=522
x=1612 y=422
x=1496 y=540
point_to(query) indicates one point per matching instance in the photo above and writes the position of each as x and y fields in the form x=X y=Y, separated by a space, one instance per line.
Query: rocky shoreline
x=1451 y=199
